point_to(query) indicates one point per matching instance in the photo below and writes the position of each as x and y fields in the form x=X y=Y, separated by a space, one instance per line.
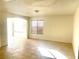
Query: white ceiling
x=45 y=7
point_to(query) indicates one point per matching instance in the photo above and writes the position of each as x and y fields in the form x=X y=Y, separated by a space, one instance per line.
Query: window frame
x=37 y=27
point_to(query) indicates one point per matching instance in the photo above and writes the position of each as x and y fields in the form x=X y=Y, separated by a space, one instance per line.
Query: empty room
x=39 y=29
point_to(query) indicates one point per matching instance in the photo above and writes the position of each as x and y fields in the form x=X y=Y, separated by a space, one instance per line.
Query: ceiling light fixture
x=36 y=11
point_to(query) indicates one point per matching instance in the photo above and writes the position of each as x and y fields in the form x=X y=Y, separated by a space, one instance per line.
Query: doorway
x=16 y=30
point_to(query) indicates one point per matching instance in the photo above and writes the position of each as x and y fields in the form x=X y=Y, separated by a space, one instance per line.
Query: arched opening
x=16 y=30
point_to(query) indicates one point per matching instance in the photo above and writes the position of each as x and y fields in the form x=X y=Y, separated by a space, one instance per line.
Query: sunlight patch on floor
x=45 y=52
x=51 y=53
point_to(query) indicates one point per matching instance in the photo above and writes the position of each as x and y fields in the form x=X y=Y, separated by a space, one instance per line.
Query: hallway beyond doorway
x=16 y=29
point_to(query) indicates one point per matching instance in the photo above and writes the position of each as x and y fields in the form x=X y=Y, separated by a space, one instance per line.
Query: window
x=37 y=26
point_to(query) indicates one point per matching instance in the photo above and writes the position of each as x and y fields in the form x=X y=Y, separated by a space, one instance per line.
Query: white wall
x=76 y=33
x=0 y=19
x=57 y=28
x=3 y=39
